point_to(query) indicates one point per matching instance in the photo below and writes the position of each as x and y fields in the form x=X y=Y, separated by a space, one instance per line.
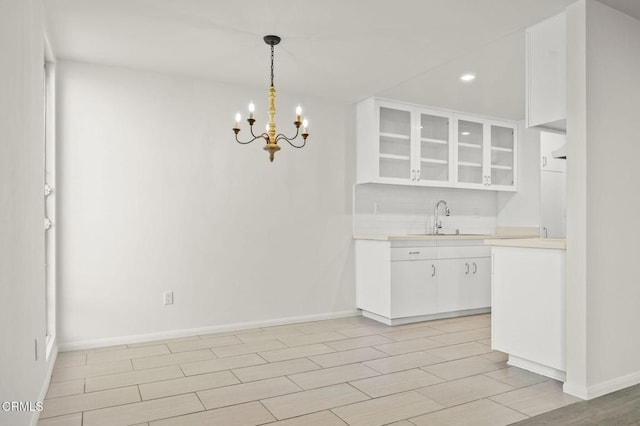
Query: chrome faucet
x=437 y=222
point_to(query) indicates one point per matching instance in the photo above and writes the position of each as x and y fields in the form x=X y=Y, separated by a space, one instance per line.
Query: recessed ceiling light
x=468 y=77
x=465 y=133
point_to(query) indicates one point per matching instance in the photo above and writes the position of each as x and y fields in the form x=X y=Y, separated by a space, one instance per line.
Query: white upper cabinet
x=550 y=143
x=546 y=73
x=412 y=145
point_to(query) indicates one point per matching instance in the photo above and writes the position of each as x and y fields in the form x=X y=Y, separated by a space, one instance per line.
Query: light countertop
x=424 y=237
x=543 y=243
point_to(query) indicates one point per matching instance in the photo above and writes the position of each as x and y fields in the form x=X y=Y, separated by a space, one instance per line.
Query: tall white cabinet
x=406 y=144
x=546 y=70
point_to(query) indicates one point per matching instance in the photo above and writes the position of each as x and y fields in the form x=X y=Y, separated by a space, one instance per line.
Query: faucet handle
x=447 y=211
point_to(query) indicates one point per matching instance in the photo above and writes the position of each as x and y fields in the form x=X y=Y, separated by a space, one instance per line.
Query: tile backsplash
x=396 y=209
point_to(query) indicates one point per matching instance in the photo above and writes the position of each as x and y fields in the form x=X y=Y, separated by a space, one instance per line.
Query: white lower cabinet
x=403 y=281
x=413 y=288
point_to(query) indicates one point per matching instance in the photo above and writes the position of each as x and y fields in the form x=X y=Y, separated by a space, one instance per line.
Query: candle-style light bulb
x=252 y=108
x=298 y=112
x=238 y=117
x=305 y=123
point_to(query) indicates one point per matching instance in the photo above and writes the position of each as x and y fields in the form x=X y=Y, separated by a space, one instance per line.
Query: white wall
x=22 y=305
x=603 y=288
x=154 y=194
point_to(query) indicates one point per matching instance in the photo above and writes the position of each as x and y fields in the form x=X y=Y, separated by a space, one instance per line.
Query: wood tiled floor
x=349 y=371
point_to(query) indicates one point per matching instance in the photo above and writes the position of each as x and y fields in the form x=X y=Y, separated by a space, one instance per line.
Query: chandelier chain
x=272 y=64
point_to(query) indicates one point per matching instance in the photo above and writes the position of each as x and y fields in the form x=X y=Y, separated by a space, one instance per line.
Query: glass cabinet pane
x=502 y=155
x=434 y=148
x=470 y=152
x=395 y=143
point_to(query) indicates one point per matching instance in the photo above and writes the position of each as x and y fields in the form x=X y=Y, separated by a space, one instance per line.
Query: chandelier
x=270 y=136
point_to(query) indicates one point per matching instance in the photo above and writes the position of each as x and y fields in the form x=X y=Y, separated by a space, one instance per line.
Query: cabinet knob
x=475 y=267
x=467 y=270
x=433 y=270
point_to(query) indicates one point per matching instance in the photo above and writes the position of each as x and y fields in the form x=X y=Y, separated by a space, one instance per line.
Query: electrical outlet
x=167 y=297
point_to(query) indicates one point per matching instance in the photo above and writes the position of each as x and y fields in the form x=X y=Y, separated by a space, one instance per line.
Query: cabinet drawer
x=413 y=253
x=463 y=252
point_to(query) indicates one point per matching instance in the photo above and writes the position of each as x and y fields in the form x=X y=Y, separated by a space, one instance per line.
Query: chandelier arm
x=247 y=142
x=290 y=140
x=282 y=136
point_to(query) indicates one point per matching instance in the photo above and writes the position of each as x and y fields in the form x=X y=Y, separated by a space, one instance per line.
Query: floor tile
x=359 y=342
x=463 y=336
x=245 y=392
x=464 y=367
x=406 y=346
x=395 y=382
x=478 y=413
x=496 y=356
x=132 y=378
x=68 y=420
x=97 y=357
x=70 y=373
x=307 y=339
x=145 y=411
x=309 y=401
x=252 y=413
x=516 y=377
x=66 y=388
x=412 y=333
x=381 y=411
x=464 y=390
x=171 y=359
x=463 y=350
x=89 y=401
x=536 y=399
x=262 y=335
x=187 y=384
x=364 y=330
x=322 y=418
x=247 y=348
x=347 y=357
x=70 y=359
x=296 y=352
x=212 y=365
x=204 y=343
x=332 y=376
x=403 y=362
x=163 y=342
x=276 y=369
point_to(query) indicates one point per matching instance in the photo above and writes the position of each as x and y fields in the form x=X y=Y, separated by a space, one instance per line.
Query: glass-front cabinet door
x=503 y=154
x=470 y=146
x=434 y=148
x=395 y=143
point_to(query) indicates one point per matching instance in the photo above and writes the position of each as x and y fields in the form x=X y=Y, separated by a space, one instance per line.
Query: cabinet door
x=470 y=141
x=502 y=156
x=453 y=284
x=549 y=142
x=395 y=136
x=413 y=288
x=553 y=202
x=433 y=162
x=480 y=283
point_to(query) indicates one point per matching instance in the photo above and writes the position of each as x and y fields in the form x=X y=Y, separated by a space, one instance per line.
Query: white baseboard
x=52 y=354
x=603 y=388
x=537 y=368
x=171 y=334
x=420 y=318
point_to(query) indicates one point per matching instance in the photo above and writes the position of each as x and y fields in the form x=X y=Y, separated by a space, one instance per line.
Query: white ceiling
x=413 y=50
